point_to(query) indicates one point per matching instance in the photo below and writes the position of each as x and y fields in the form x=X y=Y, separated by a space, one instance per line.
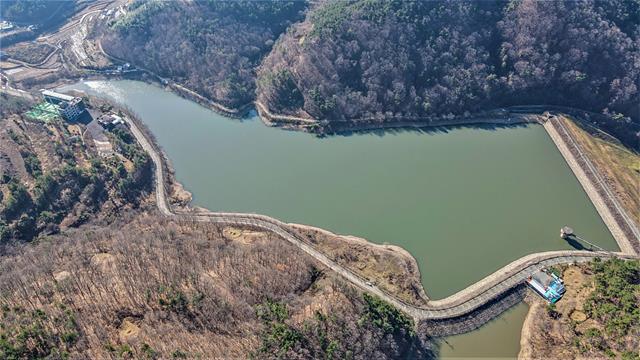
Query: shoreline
x=592 y=187
x=535 y=307
x=456 y=122
x=402 y=252
x=508 y=119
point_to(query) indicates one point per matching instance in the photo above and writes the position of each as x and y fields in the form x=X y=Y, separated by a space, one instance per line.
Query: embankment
x=324 y=127
x=614 y=216
x=476 y=318
x=390 y=267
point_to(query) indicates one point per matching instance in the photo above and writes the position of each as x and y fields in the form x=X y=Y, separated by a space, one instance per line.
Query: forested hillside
x=152 y=288
x=51 y=179
x=39 y=12
x=385 y=59
x=212 y=47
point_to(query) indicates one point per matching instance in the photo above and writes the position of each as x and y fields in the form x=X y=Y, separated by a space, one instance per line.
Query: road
x=626 y=243
x=458 y=304
x=73 y=32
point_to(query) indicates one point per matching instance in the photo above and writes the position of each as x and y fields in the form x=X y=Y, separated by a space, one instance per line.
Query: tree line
x=152 y=287
x=388 y=59
x=380 y=58
x=212 y=47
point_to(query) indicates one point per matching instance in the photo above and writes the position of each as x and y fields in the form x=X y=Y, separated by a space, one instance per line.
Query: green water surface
x=464 y=202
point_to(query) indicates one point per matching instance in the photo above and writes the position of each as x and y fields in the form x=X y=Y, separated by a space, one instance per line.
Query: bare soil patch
x=578 y=316
x=243 y=236
x=103 y=261
x=128 y=330
x=61 y=275
x=389 y=267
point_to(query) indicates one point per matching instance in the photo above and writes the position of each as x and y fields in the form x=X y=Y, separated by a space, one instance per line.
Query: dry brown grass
x=390 y=267
x=243 y=236
x=547 y=338
x=121 y=283
x=619 y=166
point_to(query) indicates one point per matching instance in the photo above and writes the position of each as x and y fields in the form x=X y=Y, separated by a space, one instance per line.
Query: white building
x=70 y=107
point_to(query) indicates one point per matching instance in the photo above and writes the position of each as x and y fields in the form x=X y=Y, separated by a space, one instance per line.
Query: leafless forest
x=158 y=288
x=385 y=59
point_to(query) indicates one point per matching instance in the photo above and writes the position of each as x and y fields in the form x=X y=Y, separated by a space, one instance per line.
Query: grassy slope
x=593 y=319
x=619 y=166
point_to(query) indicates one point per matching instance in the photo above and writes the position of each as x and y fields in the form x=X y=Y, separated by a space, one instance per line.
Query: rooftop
x=56 y=95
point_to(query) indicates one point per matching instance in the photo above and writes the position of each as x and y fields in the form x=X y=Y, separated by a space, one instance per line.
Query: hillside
x=154 y=288
x=397 y=59
x=105 y=280
x=387 y=60
x=52 y=177
x=38 y=12
x=212 y=47
x=597 y=318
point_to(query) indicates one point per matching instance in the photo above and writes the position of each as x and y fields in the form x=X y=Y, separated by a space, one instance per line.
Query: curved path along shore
x=459 y=304
x=456 y=305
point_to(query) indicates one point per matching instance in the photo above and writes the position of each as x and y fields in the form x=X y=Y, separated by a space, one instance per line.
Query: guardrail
x=456 y=305
x=600 y=181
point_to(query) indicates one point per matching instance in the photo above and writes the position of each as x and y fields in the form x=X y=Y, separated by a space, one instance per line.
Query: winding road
x=456 y=305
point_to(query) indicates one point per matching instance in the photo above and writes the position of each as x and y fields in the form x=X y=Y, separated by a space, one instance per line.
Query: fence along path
x=463 y=302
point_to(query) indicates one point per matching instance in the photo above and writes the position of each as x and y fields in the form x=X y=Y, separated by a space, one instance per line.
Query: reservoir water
x=463 y=201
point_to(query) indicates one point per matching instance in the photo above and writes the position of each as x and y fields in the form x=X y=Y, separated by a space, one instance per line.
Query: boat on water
x=548 y=285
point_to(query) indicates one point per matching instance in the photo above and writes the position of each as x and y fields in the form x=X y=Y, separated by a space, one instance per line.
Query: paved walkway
x=605 y=202
x=461 y=303
x=458 y=304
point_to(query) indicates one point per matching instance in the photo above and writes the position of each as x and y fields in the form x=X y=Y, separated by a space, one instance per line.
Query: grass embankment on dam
x=618 y=165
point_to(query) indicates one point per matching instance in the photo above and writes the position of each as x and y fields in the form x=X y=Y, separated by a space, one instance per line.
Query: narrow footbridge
x=464 y=302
